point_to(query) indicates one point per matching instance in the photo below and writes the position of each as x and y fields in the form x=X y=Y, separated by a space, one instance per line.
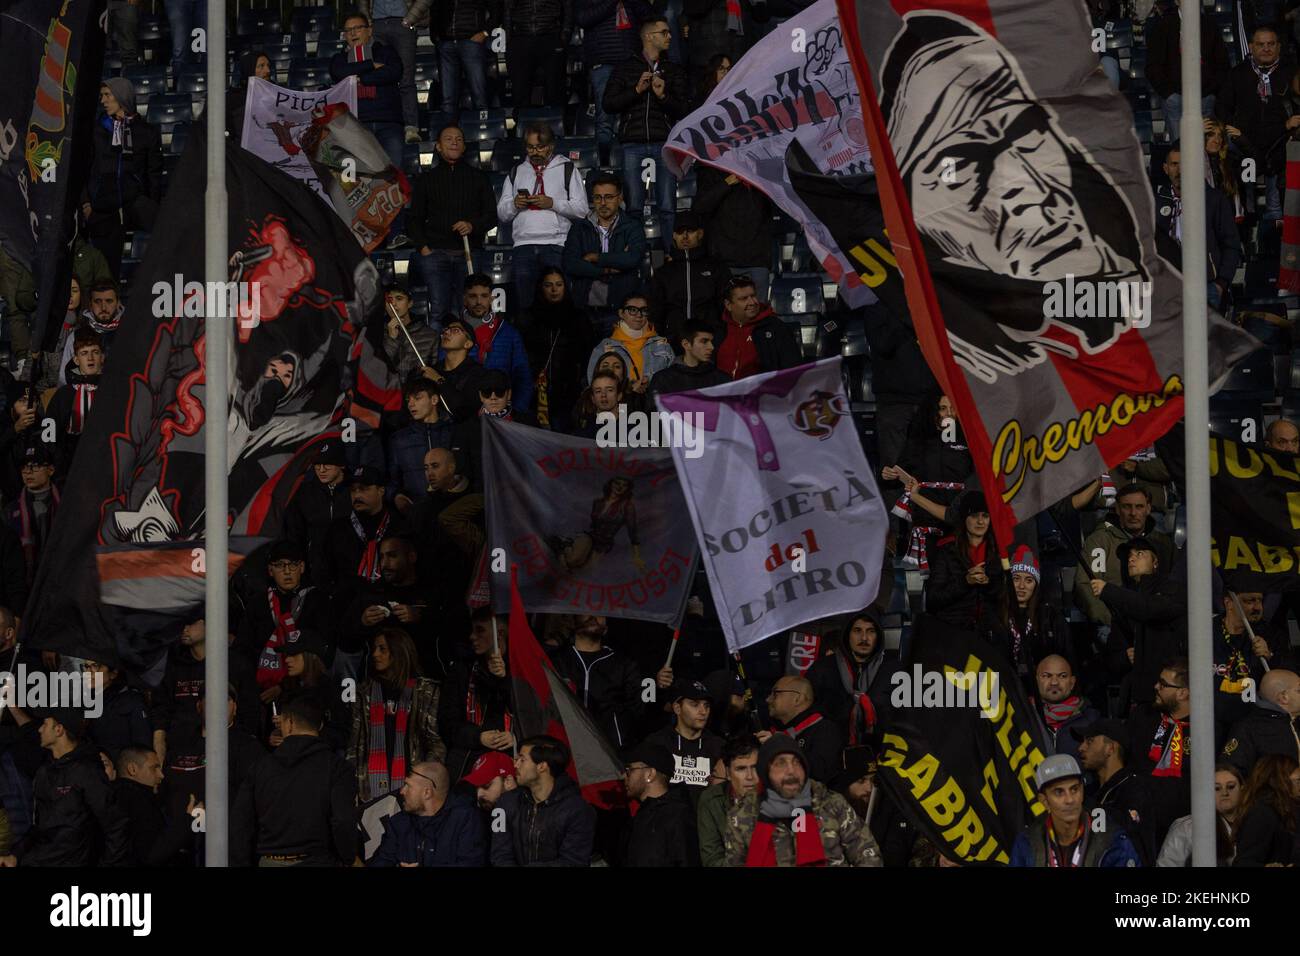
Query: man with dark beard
x=852 y=685
x=606 y=682
x=354 y=538
x=397 y=599
x=1159 y=747
x=474 y=707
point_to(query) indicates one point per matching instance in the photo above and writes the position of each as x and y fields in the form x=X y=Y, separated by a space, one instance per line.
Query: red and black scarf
x=27 y=529
x=83 y=396
x=1055 y=715
x=368 y=567
x=1169 y=748
x=381 y=772
x=808 y=849
x=284 y=628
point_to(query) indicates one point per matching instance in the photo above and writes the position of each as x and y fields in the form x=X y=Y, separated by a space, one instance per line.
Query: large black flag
x=1255 y=515
x=125 y=556
x=960 y=751
x=45 y=141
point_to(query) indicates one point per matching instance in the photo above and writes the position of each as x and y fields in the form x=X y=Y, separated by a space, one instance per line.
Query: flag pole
x=215 y=404
x=1196 y=399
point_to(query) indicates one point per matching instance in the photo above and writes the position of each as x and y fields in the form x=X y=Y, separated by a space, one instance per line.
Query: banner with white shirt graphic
x=276 y=117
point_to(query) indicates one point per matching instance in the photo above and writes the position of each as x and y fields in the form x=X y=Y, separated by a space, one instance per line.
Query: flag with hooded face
x=1020 y=213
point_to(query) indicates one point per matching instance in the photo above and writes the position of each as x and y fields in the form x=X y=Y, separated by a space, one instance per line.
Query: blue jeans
x=453 y=56
x=1110 y=66
x=1173 y=109
x=390 y=140
x=444 y=272
x=184 y=16
x=605 y=130
x=529 y=261
x=665 y=186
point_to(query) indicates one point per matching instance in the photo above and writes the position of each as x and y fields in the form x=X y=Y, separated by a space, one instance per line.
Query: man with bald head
x=436 y=826
x=1269 y=726
x=1282 y=436
x=452 y=511
x=1058 y=707
x=794 y=712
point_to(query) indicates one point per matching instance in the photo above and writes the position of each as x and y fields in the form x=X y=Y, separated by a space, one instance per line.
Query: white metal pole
x=1196 y=395
x=215 y=406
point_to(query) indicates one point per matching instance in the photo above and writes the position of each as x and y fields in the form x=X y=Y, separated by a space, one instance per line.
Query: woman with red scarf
x=966 y=582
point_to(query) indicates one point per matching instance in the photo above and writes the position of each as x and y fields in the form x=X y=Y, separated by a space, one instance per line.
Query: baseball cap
x=1104 y=727
x=366 y=475
x=37 y=454
x=690 y=690
x=688 y=220
x=304 y=642
x=331 y=453
x=493 y=380
x=656 y=756
x=488 y=767
x=72 y=718
x=1057 y=767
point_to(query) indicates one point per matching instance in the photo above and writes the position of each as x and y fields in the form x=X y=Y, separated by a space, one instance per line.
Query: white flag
x=789 y=518
x=275 y=117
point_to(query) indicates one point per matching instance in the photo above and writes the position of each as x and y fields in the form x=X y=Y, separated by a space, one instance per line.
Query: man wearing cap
x=474 y=706
x=77 y=819
x=316 y=504
x=607 y=683
x=1066 y=835
x=436 y=827
x=794 y=713
x=1120 y=791
x=1130 y=518
x=32 y=514
x=354 y=537
x=457 y=373
x=691 y=283
x=740 y=765
x=430 y=428
x=695 y=749
x=663 y=830
x=492 y=775
x=793 y=820
x=402 y=330
x=1269 y=725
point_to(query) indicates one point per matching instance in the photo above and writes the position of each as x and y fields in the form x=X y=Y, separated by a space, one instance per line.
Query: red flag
x=543 y=704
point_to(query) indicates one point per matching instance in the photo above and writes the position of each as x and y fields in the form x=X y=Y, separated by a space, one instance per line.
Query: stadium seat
x=147 y=81
x=1251 y=380
x=152 y=26
x=581 y=151
x=797 y=294
x=540 y=114
x=506 y=155
x=168 y=109
x=139 y=244
x=310 y=74
x=305 y=20
x=1237 y=420
x=251 y=21
x=482 y=131
x=192 y=81
x=327 y=46
x=180 y=134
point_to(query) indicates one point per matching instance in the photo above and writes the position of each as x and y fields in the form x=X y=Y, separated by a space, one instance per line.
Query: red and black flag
x=125 y=556
x=543 y=704
x=1021 y=216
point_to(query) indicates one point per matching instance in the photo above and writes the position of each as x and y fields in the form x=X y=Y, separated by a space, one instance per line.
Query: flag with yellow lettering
x=960 y=745
x=1255 y=515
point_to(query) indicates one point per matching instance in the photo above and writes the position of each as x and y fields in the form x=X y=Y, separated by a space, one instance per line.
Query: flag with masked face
x=1021 y=216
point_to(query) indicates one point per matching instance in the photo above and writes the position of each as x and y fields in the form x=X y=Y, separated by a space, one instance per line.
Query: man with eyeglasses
x=456 y=374
x=792 y=707
x=436 y=827
x=1159 y=747
x=541 y=199
x=651 y=93
x=603 y=253
x=495 y=401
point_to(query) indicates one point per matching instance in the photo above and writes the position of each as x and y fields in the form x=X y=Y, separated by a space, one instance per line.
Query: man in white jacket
x=540 y=199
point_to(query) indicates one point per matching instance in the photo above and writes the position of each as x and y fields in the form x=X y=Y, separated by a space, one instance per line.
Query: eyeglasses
x=493 y=392
x=635 y=310
x=416 y=773
x=283 y=565
x=537 y=147
x=1164 y=683
x=351 y=30
x=660 y=33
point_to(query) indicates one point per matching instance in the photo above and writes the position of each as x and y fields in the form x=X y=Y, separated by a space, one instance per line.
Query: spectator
x=1241 y=659
x=498 y=344
x=1160 y=745
x=124 y=720
x=436 y=827
x=606 y=682
x=353 y=539
x=281 y=816
x=965 y=585
x=453 y=510
x=537 y=34
x=603 y=253
x=461 y=31
x=1131 y=518
x=456 y=374
x=395 y=23
x=1223 y=164
x=1266 y=834
x=495 y=401
x=651 y=93
x=72 y=402
x=474 y=707
x=53 y=374
x=695 y=748
x=737 y=223
x=695 y=368
x=77 y=820
x=1058 y=708
x=648 y=352
x=1282 y=435
x=408 y=344
x=1062 y=837
x=547 y=823
x=1119 y=791
x=315 y=505
x=609 y=37
x=157 y=838
x=397 y=600
x=395 y=718
x=740 y=763
x=603 y=397
x=717 y=32
x=795 y=820
x=853 y=683
x=124 y=28
x=452 y=202
x=1165 y=69
x=793 y=710
x=429 y=429
x=103 y=316
x=753 y=339
x=934 y=454
x=306 y=673
x=493 y=775
x=1222 y=243
x=559 y=337
x=32 y=514
x=690 y=284
x=254 y=63
x=540 y=199
x=1034 y=627
x=663 y=830
x=1229 y=783
x=185 y=17
x=717 y=67
x=125 y=183
x=1268 y=726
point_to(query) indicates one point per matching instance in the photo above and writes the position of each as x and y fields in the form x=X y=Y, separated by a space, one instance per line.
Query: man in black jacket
x=547 y=823
x=650 y=93
x=1159 y=746
x=737 y=223
x=537 y=32
x=354 y=537
x=853 y=685
x=606 y=682
x=791 y=706
x=695 y=368
x=316 y=504
x=456 y=373
x=461 y=29
x=78 y=821
x=157 y=838
x=1165 y=65
x=690 y=285
x=753 y=338
x=453 y=201
x=1222 y=241
x=663 y=831
x=1119 y=790
x=1269 y=726
x=608 y=38
x=396 y=599
x=296 y=807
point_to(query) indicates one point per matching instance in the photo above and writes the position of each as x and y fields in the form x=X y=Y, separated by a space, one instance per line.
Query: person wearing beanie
x=793 y=820
x=965 y=585
x=1029 y=626
x=853 y=684
x=663 y=831
x=1064 y=836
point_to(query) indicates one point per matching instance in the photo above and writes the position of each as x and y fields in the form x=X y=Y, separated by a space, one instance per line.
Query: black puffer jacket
x=664 y=833
x=689 y=287
x=78 y=821
x=738 y=219
x=644 y=117
x=527 y=18
x=899 y=374
x=603 y=43
x=608 y=685
x=952 y=599
x=462 y=19
x=681 y=378
x=559 y=831
x=311 y=511
x=1147 y=615
x=121 y=174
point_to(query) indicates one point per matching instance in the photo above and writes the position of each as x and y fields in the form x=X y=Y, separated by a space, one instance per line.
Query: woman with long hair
x=1229 y=785
x=306 y=674
x=1029 y=626
x=966 y=583
x=395 y=718
x=1266 y=835
x=559 y=337
x=719 y=66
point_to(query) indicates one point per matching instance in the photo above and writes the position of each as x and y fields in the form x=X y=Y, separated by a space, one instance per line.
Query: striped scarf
x=284 y=621
x=368 y=566
x=1265 y=76
x=27 y=530
x=734 y=24
x=378 y=767
x=1168 y=748
x=83 y=396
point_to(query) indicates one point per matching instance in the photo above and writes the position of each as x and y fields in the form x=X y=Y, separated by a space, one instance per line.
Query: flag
x=799 y=532
x=543 y=704
x=787 y=119
x=594 y=530
x=125 y=555
x=960 y=746
x=1288 y=277
x=1021 y=215
x=316 y=137
x=45 y=138
x=1255 y=515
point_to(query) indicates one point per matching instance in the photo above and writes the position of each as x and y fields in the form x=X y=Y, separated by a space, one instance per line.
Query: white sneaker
x=412 y=134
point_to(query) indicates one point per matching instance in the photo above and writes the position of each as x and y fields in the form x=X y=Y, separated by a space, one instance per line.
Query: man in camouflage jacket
x=777 y=817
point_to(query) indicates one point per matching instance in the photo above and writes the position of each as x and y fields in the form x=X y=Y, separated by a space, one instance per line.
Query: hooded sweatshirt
x=840 y=683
